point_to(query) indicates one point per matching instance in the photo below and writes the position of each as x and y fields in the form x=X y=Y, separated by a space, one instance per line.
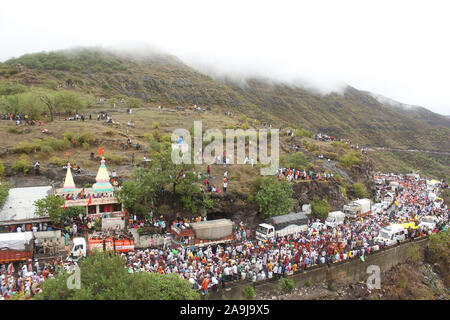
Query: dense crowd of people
x=211 y=267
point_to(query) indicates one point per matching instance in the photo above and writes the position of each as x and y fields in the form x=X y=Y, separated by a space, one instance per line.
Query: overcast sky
x=399 y=49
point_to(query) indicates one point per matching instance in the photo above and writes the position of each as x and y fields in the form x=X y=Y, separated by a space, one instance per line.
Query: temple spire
x=102 y=184
x=69 y=185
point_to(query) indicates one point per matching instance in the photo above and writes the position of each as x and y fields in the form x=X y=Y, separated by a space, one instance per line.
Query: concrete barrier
x=344 y=272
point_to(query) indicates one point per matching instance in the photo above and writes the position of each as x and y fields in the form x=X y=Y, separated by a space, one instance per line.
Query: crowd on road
x=259 y=260
x=211 y=267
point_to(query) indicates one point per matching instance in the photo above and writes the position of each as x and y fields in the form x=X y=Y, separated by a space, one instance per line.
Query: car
x=316 y=226
x=429 y=222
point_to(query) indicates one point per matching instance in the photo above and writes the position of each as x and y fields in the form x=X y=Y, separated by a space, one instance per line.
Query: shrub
x=57 y=161
x=109 y=133
x=320 y=207
x=27 y=147
x=2 y=169
x=402 y=283
x=15 y=130
x=360 y=190
x=21 y=165
x=350 y=159
x=113 y=158
x=155 y=125
x=308 y=284
x=85 y=137
x=295 y=160
x=53 y=143
x=245 y=126
x=69 y=135
x=4 y=190
x=414 y=253
x=249 y=292
x=286 y=284
x=157 y=135
x=300 y=132
x=308 y=146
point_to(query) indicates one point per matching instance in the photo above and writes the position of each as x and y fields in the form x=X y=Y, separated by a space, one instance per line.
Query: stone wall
x=350 y=271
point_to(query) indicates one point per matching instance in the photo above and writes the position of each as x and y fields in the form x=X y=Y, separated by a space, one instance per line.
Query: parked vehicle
x=97 y=244
x=378 y=208
x=429 y=222
x=282 y=226
x=16 y=246
x=334 y=219
x=358 y=208
x=316 y=226
x=204 y=233
x=391 y=234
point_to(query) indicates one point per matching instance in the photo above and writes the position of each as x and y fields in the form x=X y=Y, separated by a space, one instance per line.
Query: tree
x=69 y=101
x=48 y=99
x=50 y=206
x=274 y=198
x=105 y=277
x=132 y=103
x=360 y=190
x=320 y=207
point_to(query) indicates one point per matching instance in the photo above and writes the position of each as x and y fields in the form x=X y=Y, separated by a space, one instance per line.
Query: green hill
x=159 y=79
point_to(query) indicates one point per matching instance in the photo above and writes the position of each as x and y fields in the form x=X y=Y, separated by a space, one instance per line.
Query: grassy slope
x=165 y=80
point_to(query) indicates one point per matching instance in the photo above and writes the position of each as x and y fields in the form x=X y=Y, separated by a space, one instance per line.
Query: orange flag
x=68 y=154
x=90 y=200
x=100 y=151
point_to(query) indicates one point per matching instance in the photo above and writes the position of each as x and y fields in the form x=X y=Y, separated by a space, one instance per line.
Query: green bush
x=300 y=132
x=308 y=284
x=320 y=207
x=57 y=161
x=27 y=147
x=274 y=197
x=21 y=165
x=249 y=292
x=4 y=190
x=155 y=125
x=55 y=144
x=15 y=130
x=113 y=158
x=69 y=135
x=295 y=160
x=2 y=169
x=245 y=126
x=286 y=284
x=350 y=159
x=360 y=190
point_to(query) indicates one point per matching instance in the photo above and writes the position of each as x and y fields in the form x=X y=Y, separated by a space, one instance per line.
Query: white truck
x=358 y=208
x=391 y=234
x=378 y=208
x=334 y=219
x=429 y=222
x=282 y=226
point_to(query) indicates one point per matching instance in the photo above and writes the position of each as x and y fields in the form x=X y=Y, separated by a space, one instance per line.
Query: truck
x=334 y=219
x=203 y=233
x=358 y=208
x=80 y=248
x=16 y=246
x=391 y=234
x=282 y=225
